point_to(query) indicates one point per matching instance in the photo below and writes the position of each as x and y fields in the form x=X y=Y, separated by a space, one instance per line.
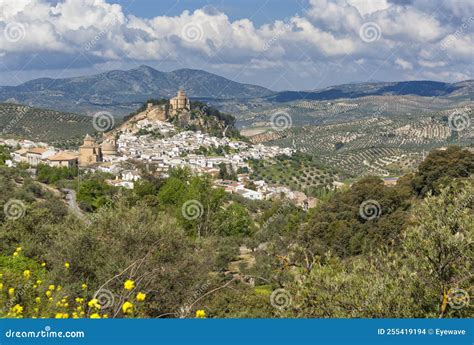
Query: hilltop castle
x=91 y=152
x=177 y=104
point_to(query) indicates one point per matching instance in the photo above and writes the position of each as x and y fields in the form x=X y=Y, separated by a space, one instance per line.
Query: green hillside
x=20 y=121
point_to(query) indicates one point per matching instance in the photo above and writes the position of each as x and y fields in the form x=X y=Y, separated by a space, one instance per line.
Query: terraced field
x=380 y=146
x=43 y=125
x=299 y=172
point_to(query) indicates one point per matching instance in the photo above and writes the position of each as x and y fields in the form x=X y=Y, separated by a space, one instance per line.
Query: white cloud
x=403 y=64
x=92 y=32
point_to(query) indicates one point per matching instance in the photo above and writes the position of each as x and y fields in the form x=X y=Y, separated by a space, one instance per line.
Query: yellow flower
x=18 y=249
x=129 y=284
x=1 y=275
x=11 y=291
x=67 y=265
x=200 y=314
x=50 y=299
x=51 y=287
x=94 y=303
x=48 y=293
x=39 y=282
x=15 y=254
x=95 y=316
x=74 y=315
x=36 y=309
x=1 y=286
x=127 y=308
x=43 y=264
x=79 y=300
x=105 y=316
x=59 y=288
x=17 y=309
x=59 y=316
x=141 y=297
x=84 y=286
x=38 y=300
x=26 y=274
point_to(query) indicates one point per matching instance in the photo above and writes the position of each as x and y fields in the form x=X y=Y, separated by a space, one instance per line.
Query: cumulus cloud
x=326 y=38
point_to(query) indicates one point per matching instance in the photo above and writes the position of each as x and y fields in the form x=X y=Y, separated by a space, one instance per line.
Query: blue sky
x=279 y=44
x=257 y=10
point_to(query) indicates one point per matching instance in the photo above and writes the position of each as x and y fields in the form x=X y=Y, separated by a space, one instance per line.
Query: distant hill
x=416 y=88
x=43 y=124
x=123 y=91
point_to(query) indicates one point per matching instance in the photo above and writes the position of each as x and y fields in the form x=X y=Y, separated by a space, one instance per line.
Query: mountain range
x=122 y=92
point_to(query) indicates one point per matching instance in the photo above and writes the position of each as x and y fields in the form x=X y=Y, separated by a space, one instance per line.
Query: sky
x=279 y=44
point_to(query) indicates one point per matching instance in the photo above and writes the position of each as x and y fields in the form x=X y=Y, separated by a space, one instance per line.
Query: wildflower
x=200 y=314
x=105 y=316
x=141 y=297
x=48 y=294
x=50 y=299
x=129 y=284
x=18 y=249
x=38 y=300
x=95 y=316
x=43 y=264
x=94 y=303
x=17 y=309
x=39 y=282
x=36 y=309
x=15 y=254
x=74 y=315
x=26 y=273
x=59 y=288
x=11 y=291
x=84 y=286
x=1 y=286
x=67 y=265
x=127 y=308
x=51 y=287
x=59 y=316
x=79 y=300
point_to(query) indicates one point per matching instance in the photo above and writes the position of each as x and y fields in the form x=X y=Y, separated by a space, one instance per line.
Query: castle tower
x=179 y=103
x=89 y=152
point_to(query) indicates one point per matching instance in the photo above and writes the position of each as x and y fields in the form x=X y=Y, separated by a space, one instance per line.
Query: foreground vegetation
x=180 y=248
